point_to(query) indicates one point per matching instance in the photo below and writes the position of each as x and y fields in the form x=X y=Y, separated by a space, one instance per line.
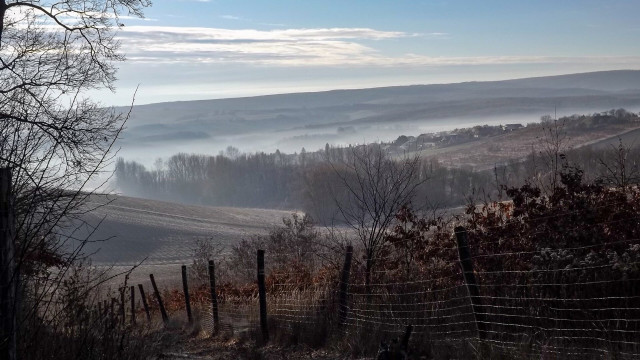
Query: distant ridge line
x=524 y=80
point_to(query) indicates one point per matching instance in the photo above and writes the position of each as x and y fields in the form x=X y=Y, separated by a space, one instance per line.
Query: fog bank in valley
x=289 y=122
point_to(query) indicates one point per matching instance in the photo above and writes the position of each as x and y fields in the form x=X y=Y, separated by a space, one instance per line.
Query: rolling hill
x=291 y=121
x=132 y=229
x=124 y=231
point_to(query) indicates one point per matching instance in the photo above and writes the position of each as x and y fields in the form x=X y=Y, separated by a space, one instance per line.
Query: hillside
x=164 y=232
x=484 y=152
x=291 y=121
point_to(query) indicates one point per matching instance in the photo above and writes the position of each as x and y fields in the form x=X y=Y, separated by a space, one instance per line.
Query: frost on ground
x=126 y=231
x=221 y=349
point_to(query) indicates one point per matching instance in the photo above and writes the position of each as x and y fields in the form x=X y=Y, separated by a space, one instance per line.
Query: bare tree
x=52 y=135
x=377 y=188
x=552 y=146
x=620 y=167
x=546 y=159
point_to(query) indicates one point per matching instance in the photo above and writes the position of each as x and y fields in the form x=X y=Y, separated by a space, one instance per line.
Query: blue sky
x=190 y=49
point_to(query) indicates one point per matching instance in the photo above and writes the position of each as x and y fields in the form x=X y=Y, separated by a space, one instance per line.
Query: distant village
x=570 y=124
x=448 y=138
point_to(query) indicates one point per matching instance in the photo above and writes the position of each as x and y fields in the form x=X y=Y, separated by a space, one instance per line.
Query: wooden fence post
x=262 y=293
x=165 y=318
x=105 y=313
x=8 y=271
x=144 y=302
x=406 y=337
x=470 y=280
x=185 y=287
x=113 y=312
x=123 y=312
x=344 y=285
x=133 y=305
x=214 y=296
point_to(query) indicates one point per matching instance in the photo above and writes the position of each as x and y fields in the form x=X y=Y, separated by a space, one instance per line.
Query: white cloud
x=273 y=24
x=202 y=33
x=230 y=17
x=291 y=47
x=301 y=47
x=135 y=18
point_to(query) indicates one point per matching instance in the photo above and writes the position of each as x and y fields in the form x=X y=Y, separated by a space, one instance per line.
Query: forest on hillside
x=315 y=181
x=549 y=271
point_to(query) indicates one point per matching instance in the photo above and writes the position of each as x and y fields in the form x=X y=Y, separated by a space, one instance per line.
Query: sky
x=207 y=49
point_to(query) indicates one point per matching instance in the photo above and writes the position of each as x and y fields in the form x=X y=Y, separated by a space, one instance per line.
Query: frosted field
x=163 y=234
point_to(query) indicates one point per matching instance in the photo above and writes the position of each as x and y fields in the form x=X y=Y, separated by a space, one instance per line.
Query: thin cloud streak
x=305 y=47
x=199 y=33
x=230 y=17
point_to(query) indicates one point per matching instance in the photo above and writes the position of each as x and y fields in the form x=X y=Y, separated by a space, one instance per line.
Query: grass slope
x=512 y=146
x=129 y=230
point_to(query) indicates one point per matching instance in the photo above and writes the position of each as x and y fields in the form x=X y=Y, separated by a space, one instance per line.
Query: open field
x=163 y=234
x=485 y=153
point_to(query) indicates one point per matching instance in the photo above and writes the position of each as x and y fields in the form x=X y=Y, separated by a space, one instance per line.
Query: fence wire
x=574 y=311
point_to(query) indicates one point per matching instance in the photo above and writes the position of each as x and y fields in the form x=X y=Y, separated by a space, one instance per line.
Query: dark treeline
x=307 y=181
x=313 y=181
x=247 y=180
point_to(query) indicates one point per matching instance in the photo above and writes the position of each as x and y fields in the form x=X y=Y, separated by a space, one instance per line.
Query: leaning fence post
x=133 y=305
x=214 y=296
x=470 y=280
x=165 y=318
x=185 y=287
x=144 y=302
x=262 y=293
x=344 y=285
x=8 y=271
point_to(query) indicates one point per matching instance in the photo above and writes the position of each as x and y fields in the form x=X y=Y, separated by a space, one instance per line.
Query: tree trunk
x=367 y=276
x=3 y=10
x=8 y=269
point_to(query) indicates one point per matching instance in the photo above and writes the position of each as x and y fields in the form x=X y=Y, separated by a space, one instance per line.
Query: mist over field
x=319 y=179
x=147 y=149
x=290 y=122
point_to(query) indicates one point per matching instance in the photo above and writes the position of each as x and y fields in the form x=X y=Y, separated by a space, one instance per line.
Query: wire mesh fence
x=562 y=310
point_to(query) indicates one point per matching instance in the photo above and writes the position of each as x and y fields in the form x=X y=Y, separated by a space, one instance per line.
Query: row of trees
x=311 y=182
x=55 y=139
x=315 y=181
x=557 y=260
x=367 y=190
